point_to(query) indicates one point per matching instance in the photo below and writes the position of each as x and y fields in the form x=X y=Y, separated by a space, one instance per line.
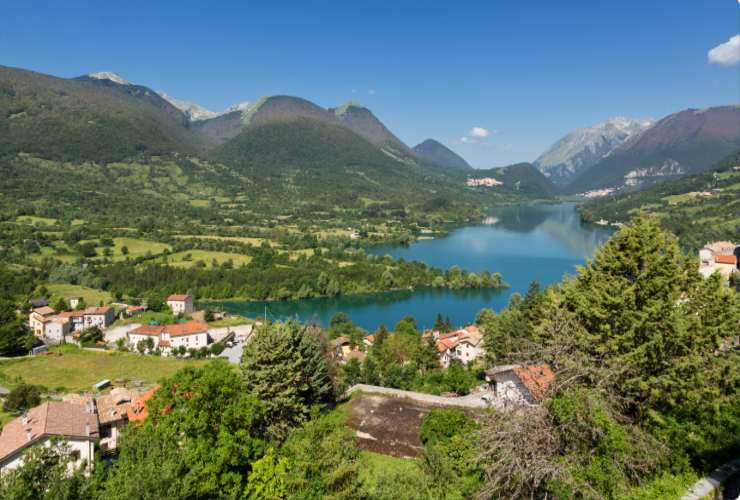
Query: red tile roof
x=137 y=409
x=445 y=344
x=148 y=330
x=726 y=259
x=177 y=297
x=536 y=378
x=189 y=328
x=54 y=418
x=72 y=314
x=472 y=329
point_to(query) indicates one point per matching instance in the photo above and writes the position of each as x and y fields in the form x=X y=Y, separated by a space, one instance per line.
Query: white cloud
x=726 y=54
x=466 y=140
x=371 y=91
x=479 y=132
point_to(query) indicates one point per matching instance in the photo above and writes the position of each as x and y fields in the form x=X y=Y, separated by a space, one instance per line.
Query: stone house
x=180 y=304
x=523 y=384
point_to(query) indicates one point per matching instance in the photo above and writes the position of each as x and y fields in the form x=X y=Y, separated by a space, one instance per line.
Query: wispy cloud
x=476 y=134
x=726 y=54
x=371 y=91
x=479 y=132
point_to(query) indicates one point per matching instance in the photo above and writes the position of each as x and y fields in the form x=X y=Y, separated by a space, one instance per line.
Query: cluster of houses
x=54 y=327
x=720 y=256
x=79 y=424
x=483 y=181
x=464 y=345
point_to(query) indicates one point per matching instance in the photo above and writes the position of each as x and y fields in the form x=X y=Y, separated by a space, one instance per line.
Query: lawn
x=76 y=370
x=230 y=321
x=242 y=239
x=189 y=258
x=92 y=297
x=136 y=248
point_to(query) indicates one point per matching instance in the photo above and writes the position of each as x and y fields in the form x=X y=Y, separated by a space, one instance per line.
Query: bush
x=443 y=424
x=22 y=398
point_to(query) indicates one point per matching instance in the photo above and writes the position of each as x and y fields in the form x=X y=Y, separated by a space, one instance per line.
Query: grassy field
x=189 y=258
x=34 y=220
x=242 y=239
x=92 y=297
x=164 y=317
x=136 y=248
x=76 y=370
x=230 y=321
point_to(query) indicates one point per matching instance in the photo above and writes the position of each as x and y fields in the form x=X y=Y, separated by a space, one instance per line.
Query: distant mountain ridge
x=686 y=142
x=523 y=178
x=436 y=152
x=583 y=148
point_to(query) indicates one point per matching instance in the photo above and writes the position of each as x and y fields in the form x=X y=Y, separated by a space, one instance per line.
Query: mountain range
x=626 y=153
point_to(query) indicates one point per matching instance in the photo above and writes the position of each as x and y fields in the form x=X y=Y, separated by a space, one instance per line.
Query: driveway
x=118 y=332
x=470 y=401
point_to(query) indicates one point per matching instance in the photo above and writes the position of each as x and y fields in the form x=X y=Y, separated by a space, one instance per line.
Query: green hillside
x=697 y=208
x=521 y=178
x=86 y=119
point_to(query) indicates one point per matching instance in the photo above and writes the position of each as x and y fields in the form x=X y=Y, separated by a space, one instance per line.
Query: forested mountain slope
x=697 y=208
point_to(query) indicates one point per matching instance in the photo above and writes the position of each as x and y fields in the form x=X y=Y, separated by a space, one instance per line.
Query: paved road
x=726 y=475
x=469 y=401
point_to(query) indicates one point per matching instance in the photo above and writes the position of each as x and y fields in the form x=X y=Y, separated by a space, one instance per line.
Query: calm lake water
x=527 y=243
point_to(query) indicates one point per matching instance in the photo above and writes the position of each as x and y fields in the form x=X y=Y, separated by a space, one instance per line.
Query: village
x=90 y=422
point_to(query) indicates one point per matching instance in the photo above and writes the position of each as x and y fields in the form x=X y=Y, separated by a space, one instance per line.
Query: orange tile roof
x=44 y=311
x=725 y=259
x=189 y=328
x=472 y=329
x=54 y=418
x=137 y=410
x=113 y=407
x=177 y=297
x=445 y=344
x=148 y=330
x=536 y=378
x=72 y=314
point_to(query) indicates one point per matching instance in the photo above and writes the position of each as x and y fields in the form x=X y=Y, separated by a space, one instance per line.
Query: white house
x=56 y=328
x=464 y=345
x=180 y=304
x=98 y=316
x=76 y=320
x=73 y=427
x=191 y=335
x=38 y=318
x=524 y=384
x=74 y=302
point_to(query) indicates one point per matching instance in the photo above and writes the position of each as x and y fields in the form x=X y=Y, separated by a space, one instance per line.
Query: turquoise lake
x=540 y=243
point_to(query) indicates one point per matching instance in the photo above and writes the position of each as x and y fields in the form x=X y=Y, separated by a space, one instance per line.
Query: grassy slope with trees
x=696 y=220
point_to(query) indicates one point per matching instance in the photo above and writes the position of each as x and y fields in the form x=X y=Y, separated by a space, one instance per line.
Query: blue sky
x=526 y=71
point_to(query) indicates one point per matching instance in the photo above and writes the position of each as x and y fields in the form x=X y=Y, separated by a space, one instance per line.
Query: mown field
x=70 y=369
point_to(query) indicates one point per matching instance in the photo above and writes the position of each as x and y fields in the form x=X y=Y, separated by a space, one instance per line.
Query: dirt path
x=470 y=401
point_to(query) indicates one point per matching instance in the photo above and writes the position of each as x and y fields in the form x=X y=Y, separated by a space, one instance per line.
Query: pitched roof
x=536 y=378
x=341 y=341
x=189 y=328
x=137 y=409
x=725 y=259
x=72 y=314
x=445 y=344
x=54 y=418
x=44 y=311
x=178 y=297
x=155 y=330
x=473 y=329
x=97 y=310
x=113 y=407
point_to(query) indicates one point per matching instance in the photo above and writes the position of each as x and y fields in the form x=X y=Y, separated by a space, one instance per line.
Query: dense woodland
x=647 y=397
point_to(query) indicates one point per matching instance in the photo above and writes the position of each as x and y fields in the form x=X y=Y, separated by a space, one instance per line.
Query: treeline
x=274 y=275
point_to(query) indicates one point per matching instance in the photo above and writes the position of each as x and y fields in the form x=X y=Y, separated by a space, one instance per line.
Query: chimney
x=24 y=418
x=29 y=434
x=87 y=430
